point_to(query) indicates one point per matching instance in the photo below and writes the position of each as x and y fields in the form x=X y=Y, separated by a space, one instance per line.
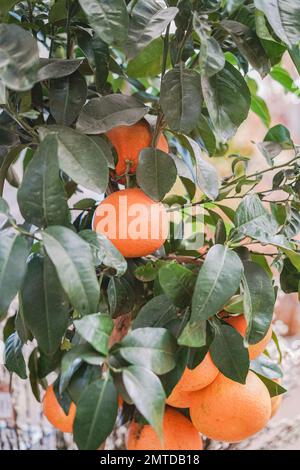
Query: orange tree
x=96 y=95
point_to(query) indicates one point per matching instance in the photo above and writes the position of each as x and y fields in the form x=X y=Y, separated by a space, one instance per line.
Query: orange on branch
x=195 y=379
x=133 y=222
x=230 y=411
x=178 y=434
x=179 y=398
x=129 y=141
x=240 y=324
x=55 y=414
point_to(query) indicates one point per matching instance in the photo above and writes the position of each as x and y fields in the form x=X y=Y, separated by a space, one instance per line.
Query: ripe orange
x=133 y=222
x=55 y=414
x=229 y=411
x=129 y=141
x=192 y=380
x=179 y=398
x=178 y=434
x=240 y=324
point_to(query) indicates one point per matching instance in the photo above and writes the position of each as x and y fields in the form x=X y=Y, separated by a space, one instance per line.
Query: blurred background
x=21 y=423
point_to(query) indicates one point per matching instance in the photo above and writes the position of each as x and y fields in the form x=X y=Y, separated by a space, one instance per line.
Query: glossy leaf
x=147 y=393
x=253 y=220
x=18 y=71
x=74 y=264
x=102 y=114
x=152 y=348
x=158 y=312
x=177 y=283
x=104 y=251
x=156 y=173
x=80 y=157
x=41 y=197
x=44 y=304
x=108 y=18
x=259 y=300
x=218 y=280
x=284 y=17
x=181 y=99
x=96 y=330
x=227 y=99
x=67 y=97
x=73 y=359
x=229 y=353
x=13 y=357
x=148 y=21
x=96 y=414
x=249 y=45
x=57 y=68
x=14 y=250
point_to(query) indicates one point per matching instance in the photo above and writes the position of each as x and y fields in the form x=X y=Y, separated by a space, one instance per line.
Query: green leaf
x=148 y=272
x=148 y=20
x=57 y=68
x=273 y=387
x=259 y=300
x=156 y=173
x=120 y=296
x=152 y=348
x=289 y=277
x=159 y=311
x=14 y=251
x=281 y=135
x=259 y=107
x=206 y=174
x=229 y=353
x=249 y=45
x=109 y=19
x=284 y=17
x=194 y=334
x=253 y=220
x=218 y=280
x=283 y=77
x=102 y=114
x=13 y=357
x=177 y=283
x=148 y=62
x=82 y=378
x=147 y=393
x=181 y=99
x=96 y=414
x=67 y=96
x=18 y=71
x=41 y=197
x=80 y=157
x=96 y=330
x=104 y=251
x=203 y=132
x=211 y=58
x=73 y=359
x=227 y=98
x=73 y=261
x=45 y=307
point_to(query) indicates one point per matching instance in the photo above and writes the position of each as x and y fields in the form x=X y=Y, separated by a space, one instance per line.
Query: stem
x=69 y=41
x=24 y=232
x=258 y=173
x=160 y=116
